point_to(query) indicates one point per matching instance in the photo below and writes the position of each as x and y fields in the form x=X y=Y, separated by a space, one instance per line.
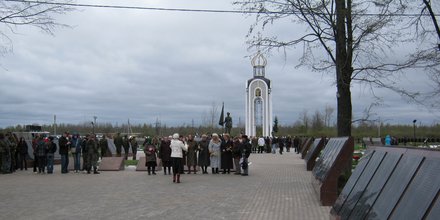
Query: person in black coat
x=165 y=155
x=281 y=144
x=64 y=144
x=236 y=155
x=296 y=142
x=203 y=159
x=226 y=154
x=23 y=150
x=245 y=151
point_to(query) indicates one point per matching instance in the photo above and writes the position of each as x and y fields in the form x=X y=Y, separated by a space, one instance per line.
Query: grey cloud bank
x=143 y=65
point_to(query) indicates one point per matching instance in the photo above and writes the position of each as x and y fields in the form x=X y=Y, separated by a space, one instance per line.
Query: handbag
x=73 y=150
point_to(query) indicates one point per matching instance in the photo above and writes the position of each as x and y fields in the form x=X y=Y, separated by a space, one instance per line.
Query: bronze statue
x=228 y=123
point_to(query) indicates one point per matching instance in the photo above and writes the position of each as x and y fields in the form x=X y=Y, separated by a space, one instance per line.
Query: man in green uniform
x=13 y=143
x=134 y=146
x=4 y=154
x=92 y=154
x=126 y=145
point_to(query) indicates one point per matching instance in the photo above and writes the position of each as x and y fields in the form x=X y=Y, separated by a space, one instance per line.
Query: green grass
x=131 y=162
x=358 y=147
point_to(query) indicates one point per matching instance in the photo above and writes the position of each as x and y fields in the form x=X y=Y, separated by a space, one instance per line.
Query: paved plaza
x=278 y=187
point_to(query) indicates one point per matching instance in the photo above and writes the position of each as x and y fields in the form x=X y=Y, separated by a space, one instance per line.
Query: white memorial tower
x=258 y=100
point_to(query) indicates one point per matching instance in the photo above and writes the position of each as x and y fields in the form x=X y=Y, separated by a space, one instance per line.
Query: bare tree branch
x=16 y=13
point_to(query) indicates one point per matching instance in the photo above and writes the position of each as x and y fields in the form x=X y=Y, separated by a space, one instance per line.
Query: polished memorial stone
x=313 y=153
x=392 y=183
x=335 y=160
x=305 y=147
x=354 y=178
x=395 y=186
x=362 y=183
x=434 y=213
x=112 y=164
x=422 y=190
x=374 y=187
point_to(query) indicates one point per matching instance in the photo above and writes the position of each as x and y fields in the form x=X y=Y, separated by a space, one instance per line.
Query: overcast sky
x=141 y=65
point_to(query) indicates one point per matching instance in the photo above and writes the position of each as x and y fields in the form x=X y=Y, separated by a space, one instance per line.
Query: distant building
x=30 y=128
x=258 y=100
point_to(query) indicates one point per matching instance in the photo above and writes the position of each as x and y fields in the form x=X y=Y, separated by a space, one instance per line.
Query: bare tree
x=424 y=30
x=358 y=38
x=15 y=13
x=304 y=118
x=213 y=115
x=431 y=13
x=328 y=114
x=205 y=120
x=317 y=121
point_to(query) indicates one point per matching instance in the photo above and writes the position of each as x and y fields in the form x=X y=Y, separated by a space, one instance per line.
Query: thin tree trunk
x=434 y=20
x=343 y=73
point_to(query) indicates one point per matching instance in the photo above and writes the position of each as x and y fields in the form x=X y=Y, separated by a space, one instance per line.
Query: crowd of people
x=222 y=153
x=218 y=152
x=272 y=144
x=13 y=152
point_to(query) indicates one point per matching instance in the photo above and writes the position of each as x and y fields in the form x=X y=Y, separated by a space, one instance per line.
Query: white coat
x=177 y=148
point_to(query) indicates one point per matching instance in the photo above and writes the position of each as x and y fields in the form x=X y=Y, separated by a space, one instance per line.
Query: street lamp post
x=94 y=123
x=414 y=131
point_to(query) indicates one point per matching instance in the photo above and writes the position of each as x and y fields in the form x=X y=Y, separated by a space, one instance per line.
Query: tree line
x=313 y=126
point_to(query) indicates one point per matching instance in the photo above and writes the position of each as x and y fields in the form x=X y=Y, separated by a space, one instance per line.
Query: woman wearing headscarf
x=191 y=156
x=214 y=152
x=204 y=154
x=150 y=156
x=177 y=148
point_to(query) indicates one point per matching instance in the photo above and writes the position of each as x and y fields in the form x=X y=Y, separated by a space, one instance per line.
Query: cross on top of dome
x=259 y=60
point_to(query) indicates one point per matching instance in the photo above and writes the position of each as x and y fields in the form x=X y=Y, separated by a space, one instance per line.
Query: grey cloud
x=143 y=65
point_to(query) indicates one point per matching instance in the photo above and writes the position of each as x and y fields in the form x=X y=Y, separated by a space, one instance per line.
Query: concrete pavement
x=278 y=187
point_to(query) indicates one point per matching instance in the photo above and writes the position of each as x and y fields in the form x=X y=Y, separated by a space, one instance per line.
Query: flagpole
x=221 y=121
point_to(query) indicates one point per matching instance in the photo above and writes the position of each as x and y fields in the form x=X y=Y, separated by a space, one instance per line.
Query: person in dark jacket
x=165 y=155
x=64 y=144
x=281 y=144
x=191 y=156
x=117 y=140
x=236 y=155
x=4 y=155
x=41 y=152
x=34 y=151
x=23 y=149
x=288 y=143
x=226 y=154
x=103 y=145
x=274 y=143
x=134 y=146
x=296 y=142
x=150 y=159
x=76 y=152
x=84 y=153
x=92 y=154
x=204 y=154
x=51 y=149
x=245 y=151
x=126 y=145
